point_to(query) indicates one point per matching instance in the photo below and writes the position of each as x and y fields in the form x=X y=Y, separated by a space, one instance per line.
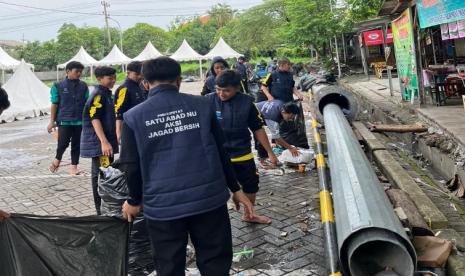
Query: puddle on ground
x=16 y=158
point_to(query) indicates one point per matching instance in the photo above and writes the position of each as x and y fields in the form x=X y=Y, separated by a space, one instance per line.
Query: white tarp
x=83 y=57
x=115 y=57
x=222 y=49
x=29 y=97
x=186 y=53
x=149 y=52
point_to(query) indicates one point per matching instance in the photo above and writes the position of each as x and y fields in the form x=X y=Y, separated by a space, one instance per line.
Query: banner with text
x=435 y=12
x=404 y=47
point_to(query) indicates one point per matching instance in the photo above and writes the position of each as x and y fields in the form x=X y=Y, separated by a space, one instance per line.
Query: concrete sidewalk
x=449 y=118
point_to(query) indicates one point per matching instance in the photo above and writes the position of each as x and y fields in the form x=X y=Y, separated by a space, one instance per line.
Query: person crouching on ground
x=274 y=113
x=177 y=168
x=98 y=139
x=68 y=98
x=239 y=117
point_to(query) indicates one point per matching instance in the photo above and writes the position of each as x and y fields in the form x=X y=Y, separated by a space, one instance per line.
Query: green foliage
x=43 y=54
x=257 y=30
x=135 y=38
x=221 y=15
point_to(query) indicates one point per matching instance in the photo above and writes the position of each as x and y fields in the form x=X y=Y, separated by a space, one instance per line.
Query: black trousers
x=95 y=173
x=210 y=234
x=67 y=134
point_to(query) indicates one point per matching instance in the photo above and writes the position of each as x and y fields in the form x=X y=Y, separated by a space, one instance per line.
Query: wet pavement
x=291 y=245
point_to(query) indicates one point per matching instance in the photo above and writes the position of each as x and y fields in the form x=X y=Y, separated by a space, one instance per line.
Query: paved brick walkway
x=290 y=200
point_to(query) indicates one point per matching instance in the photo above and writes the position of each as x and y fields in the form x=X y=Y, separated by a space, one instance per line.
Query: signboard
x=435 y=12
x=375 y=37
x=453 y=30
x=404 y=47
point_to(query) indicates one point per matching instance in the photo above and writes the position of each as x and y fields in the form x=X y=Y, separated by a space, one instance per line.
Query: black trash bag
x=45 y=246
x=113 y=190
x=293 y=132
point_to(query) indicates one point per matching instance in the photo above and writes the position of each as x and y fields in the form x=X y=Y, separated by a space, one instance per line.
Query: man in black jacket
x=173 y=156
x=239 y=118
x=129 y=94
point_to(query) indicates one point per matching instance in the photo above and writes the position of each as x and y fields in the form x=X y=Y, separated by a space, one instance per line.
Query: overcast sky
x=33 y=24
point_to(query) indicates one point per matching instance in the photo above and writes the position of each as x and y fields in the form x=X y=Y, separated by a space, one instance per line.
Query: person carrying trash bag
x=178 y=170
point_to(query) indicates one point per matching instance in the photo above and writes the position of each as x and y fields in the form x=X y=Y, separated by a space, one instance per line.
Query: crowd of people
x=183 y=155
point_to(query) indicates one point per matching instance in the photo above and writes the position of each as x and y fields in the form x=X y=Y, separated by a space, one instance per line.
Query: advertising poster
x=445 y=31
x=435 y=12
x=453 y=30
x=461 y=28
x=405 y=54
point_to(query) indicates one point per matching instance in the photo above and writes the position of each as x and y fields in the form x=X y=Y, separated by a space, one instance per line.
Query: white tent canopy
x=29 y=97
x=83 y=57
x=223 y=50
x=149 y=52
x=115 y=57
x=186 y=53
x=7 y=63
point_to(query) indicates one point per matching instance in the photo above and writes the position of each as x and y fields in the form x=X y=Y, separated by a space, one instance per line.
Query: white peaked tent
x=83 y=57
x=186 y=53
x=8 y=63
x=223 y=50
x=115 y=57
x=149 y=52
x=29 y=97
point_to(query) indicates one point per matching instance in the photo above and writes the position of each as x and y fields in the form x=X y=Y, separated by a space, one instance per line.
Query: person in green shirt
x=68 y=98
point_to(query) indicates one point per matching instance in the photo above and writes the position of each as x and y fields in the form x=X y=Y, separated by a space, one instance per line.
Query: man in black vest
x=280 y=84
x=241 y=68
x=68 y=98
x=173 y=156
x=98 y=140
x=239 y=117
x=129 y=94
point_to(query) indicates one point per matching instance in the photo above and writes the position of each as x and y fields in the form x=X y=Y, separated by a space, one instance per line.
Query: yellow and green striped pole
x=326 y=206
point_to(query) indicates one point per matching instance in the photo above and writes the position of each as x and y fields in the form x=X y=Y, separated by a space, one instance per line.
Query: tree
x=259 y=27
x=221 y=14
x=135 y=38
x=42 y=55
